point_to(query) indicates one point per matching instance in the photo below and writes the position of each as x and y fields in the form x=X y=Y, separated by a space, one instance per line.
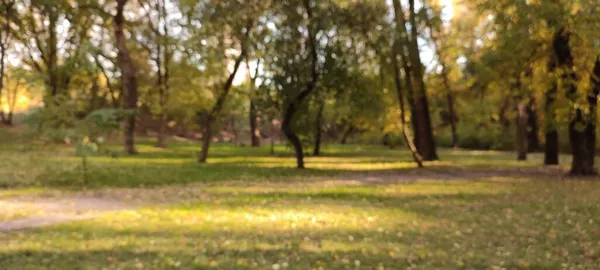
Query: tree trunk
x=415 y=154
x=128 y=78
x=206 y=138
x=533 y=142
x=521 y=132
x=318 y=130
x=291 y=135
x=551 y=149
x=253 y=125
x=272 y=137
x=347 y=134
x=162 y=129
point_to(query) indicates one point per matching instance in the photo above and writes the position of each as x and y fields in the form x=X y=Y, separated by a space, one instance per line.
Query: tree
x=294 y=101
x=225 y=30
x=438 y=39
x=424 y=140
x=252 y=110
x=405 y=130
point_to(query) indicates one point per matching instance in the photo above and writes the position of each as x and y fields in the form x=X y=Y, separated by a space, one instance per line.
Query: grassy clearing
x=248 y=210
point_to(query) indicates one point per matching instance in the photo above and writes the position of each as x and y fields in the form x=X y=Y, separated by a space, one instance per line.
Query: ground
x=357 y=207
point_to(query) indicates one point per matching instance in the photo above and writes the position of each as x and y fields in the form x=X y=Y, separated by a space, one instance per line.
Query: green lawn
x=248 y=210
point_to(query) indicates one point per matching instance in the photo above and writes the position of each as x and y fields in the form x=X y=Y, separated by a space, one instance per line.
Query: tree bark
x=318 y=130
x=521 y=131
x=128 y=77
x=290 y=110
x=413 y=150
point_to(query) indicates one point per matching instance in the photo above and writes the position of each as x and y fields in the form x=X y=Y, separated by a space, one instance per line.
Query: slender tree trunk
x=128 y=78
x=521 y=132
x=405 y=132
x=533 y=142
x=272 y=137
x=318 y=130
x=289 y=112
x=206 y=137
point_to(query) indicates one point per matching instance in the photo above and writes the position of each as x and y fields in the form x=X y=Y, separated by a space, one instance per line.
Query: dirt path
x=22 y=213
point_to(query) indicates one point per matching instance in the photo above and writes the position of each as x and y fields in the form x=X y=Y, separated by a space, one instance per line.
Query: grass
x=57 y=166
x=248 y=210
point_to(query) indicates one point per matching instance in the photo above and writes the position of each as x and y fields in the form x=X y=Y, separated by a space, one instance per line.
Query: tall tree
x=424 y=140
x=310 y=44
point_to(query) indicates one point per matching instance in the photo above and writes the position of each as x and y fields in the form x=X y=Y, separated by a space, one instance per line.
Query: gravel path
x=47 y=211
